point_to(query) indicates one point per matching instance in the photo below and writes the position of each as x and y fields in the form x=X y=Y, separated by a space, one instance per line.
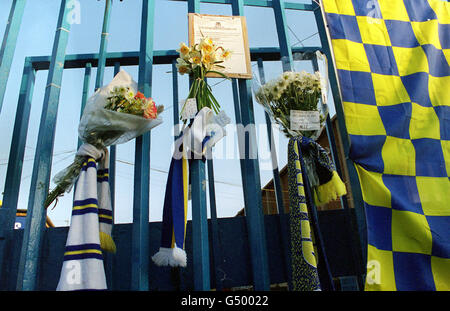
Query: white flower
x=129 y=95
x=287 y=75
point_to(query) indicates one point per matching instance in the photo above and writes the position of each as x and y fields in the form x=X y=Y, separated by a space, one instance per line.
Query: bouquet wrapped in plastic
x=114 y=114
x=295 y=101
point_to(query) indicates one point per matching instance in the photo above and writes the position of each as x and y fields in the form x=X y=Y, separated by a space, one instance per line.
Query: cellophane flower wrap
x=300 y=91
x=198 y=61
x=114 y=114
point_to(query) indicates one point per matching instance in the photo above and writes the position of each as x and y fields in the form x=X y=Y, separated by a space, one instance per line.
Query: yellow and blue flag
x=392 y=60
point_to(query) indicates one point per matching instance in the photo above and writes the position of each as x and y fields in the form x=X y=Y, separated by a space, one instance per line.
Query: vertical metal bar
x=273 y=152
x=176 y=113
x=36 y=213
x=361 y=226
x=200 y=238
x=98 y=84
x=103 y=45
x=217 y=252
x=141 y=199
x=113 y=157
x=200 y=246
x=9 y=44
x=252 y=190
x=84 y=97
x=239 y=129
x=85 y=94
x=277 y=187
x=193 y=6
x=15 y=162
x=252 y=186
x=108 y=257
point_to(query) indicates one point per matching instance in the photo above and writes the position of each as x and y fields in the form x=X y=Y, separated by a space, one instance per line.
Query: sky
x=170 y=27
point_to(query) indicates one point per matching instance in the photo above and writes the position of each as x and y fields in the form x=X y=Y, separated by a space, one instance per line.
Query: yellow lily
x=208 y=59
x=195 y=58
x=184 y=49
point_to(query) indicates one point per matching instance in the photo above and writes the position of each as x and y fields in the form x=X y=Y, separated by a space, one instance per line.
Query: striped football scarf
x=199 y=136
x=308 y=167
x=90 y=228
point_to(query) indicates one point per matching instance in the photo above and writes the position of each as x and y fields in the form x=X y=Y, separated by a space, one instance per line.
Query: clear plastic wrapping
x=101 y=128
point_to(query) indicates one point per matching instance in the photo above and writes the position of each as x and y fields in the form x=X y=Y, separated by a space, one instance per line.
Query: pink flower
x=151 y=111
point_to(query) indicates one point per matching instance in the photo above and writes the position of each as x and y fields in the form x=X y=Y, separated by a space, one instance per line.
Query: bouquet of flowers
x=198 y=61
x=293 y=101
x=114 y=114
x=123 y=99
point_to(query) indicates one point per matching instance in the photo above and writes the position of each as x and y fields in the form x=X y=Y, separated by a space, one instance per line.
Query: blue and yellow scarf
x=197 y=137
x=308 y=159
x=171 y=252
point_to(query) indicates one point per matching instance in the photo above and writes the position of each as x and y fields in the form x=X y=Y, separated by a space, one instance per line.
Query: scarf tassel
x=329 y=191
x=174 y=257
x=107 y=243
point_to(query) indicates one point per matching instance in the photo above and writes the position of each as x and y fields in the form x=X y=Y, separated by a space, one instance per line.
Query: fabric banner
x=392 y=60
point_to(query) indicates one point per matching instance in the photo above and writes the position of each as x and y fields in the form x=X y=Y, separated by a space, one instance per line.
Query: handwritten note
x=305 y=120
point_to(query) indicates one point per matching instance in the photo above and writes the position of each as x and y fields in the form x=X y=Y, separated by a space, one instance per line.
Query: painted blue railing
x=145 y=58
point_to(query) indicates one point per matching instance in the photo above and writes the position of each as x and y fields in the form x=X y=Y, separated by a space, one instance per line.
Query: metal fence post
x=200 y=237
x=141 y=200
x=283 y=38
x=36 y=213
x=113 y=156
x=252 y=187
x=9 y=44
x=277 y=187
x=14 y=171
x=103 y=45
